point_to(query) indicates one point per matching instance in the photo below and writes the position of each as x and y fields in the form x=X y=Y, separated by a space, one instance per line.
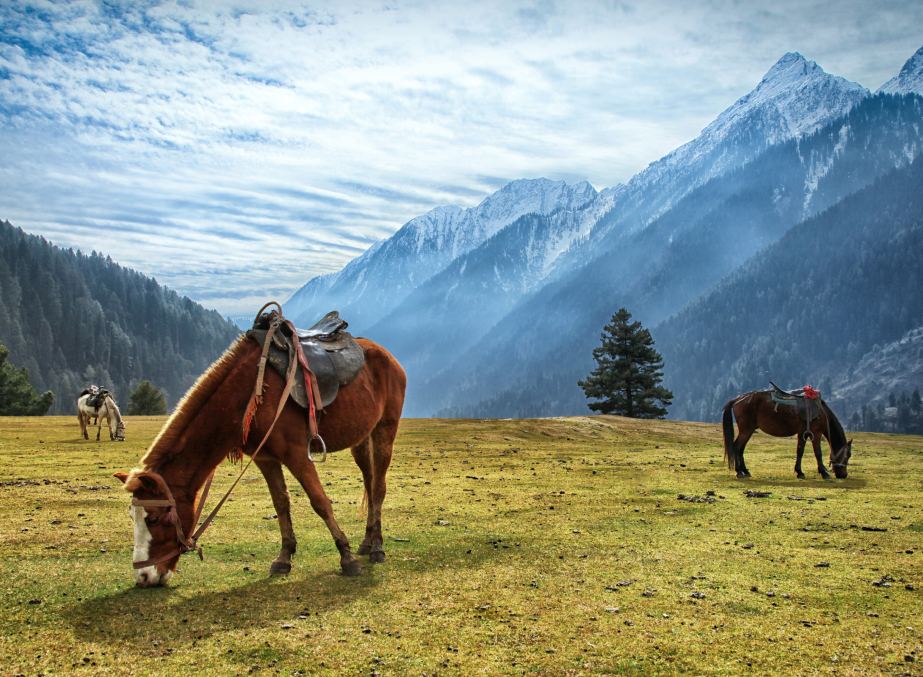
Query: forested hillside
x=73 y=319
x=809 y=307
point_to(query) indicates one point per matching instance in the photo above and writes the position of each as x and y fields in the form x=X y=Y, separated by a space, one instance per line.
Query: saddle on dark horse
x=332 y=354
x=807 y=400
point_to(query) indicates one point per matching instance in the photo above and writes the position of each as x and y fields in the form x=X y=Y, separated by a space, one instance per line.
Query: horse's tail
x=727 y=423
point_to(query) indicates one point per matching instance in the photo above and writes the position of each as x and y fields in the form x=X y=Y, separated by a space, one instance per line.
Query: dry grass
x=553 y=547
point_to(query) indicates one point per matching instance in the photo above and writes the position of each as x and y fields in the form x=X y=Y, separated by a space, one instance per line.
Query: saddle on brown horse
x=332 y=354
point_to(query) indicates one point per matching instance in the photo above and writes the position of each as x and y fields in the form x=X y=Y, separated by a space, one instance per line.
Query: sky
x=235 y=150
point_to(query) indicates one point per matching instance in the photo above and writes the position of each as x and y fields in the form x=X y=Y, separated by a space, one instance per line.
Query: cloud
x=203 y=136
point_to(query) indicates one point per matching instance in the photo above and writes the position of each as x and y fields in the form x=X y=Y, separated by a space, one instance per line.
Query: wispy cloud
x=235 y=150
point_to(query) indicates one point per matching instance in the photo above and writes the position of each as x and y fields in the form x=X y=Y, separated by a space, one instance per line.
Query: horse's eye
x=153 y=520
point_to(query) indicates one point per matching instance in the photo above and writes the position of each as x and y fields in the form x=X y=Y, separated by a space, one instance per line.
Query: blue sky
x=234 y=150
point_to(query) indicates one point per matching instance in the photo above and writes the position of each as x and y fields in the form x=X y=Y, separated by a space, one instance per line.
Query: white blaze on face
x=146 y=576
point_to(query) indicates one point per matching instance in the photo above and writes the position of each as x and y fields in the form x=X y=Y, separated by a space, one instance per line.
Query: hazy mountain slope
x=373 y=284
x=452 y=311
x=895 y=367
x=74 y=319
x=909 y=80
x=680 y=254
x=797 y=318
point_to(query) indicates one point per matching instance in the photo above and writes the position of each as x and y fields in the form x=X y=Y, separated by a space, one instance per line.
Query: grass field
x=548 y=547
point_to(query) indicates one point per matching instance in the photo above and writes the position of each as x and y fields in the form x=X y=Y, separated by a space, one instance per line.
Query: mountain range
x=494 y=310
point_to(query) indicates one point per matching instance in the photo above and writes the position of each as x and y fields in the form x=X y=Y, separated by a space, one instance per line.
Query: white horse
x=107 y=410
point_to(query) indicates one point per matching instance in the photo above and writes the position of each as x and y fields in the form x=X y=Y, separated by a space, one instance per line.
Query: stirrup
x=323 y=447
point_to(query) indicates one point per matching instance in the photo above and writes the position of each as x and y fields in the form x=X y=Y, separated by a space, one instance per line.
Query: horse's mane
x=191 y=404
x=115 y=408
x=837 y=434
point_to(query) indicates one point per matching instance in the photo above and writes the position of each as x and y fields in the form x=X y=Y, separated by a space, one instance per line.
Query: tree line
x=72 y=319
x=806 y=309
x=902 y=415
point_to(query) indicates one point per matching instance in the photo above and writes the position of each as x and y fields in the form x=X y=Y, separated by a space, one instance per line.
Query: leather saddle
x=808 y=408
x=96 y=397
x=332 y=354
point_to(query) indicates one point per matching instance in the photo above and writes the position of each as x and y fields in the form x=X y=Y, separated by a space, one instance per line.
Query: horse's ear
x=122 y=476
x=149 y=483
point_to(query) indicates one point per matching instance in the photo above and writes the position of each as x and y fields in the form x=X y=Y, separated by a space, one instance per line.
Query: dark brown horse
x=206 y=428
x=757 y=410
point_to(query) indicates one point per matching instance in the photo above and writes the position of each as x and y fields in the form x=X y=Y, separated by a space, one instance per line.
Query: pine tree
x=17 y=396
x=147 y=400
x=625 y=381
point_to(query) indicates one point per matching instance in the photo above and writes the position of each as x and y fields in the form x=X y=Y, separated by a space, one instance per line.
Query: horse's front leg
x=275 y=480
x=818 y=454
x=798 y=454
x=306 y=474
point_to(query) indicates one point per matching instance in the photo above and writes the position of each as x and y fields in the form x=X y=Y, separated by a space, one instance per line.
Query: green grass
x=548 y=547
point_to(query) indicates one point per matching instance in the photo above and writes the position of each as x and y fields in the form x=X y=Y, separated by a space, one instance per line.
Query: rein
x=191 y=543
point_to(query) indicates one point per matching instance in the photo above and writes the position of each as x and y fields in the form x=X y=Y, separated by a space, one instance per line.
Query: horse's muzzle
x=148 y=579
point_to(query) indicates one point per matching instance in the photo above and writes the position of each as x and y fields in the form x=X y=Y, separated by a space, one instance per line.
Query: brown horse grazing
x=206 y=428
x=757 y=410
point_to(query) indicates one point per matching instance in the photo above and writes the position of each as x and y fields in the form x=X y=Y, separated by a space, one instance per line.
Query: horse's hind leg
x=275 y=480
x=373 y=456
x=739 y=445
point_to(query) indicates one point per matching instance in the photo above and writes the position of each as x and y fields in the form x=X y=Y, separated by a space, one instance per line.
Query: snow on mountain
x=795 y=97
x=909 y=80
x=374 y=283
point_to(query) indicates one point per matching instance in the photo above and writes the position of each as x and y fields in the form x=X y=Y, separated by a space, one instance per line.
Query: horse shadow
x=809 y=483
x=169 y=615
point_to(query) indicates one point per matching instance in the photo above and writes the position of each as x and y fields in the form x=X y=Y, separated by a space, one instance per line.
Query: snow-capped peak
x=800 y=92
x=909 y=80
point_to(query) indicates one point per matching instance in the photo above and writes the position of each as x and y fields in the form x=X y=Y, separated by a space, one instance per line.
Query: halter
x=185 y=544
x=840 y=454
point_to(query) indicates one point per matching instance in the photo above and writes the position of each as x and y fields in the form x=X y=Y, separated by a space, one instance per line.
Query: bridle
x=834 y=463
x=184 y=544
x=190 y=544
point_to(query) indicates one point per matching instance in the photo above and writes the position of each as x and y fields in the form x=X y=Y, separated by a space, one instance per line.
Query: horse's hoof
x=364 y=549
x=801 y=476
x=741 y=475
x=377 y=557
x=280 y=568
x=352 y=568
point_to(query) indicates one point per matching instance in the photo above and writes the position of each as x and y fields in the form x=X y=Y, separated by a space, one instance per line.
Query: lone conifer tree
x=625 y=381
x=147 y=400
